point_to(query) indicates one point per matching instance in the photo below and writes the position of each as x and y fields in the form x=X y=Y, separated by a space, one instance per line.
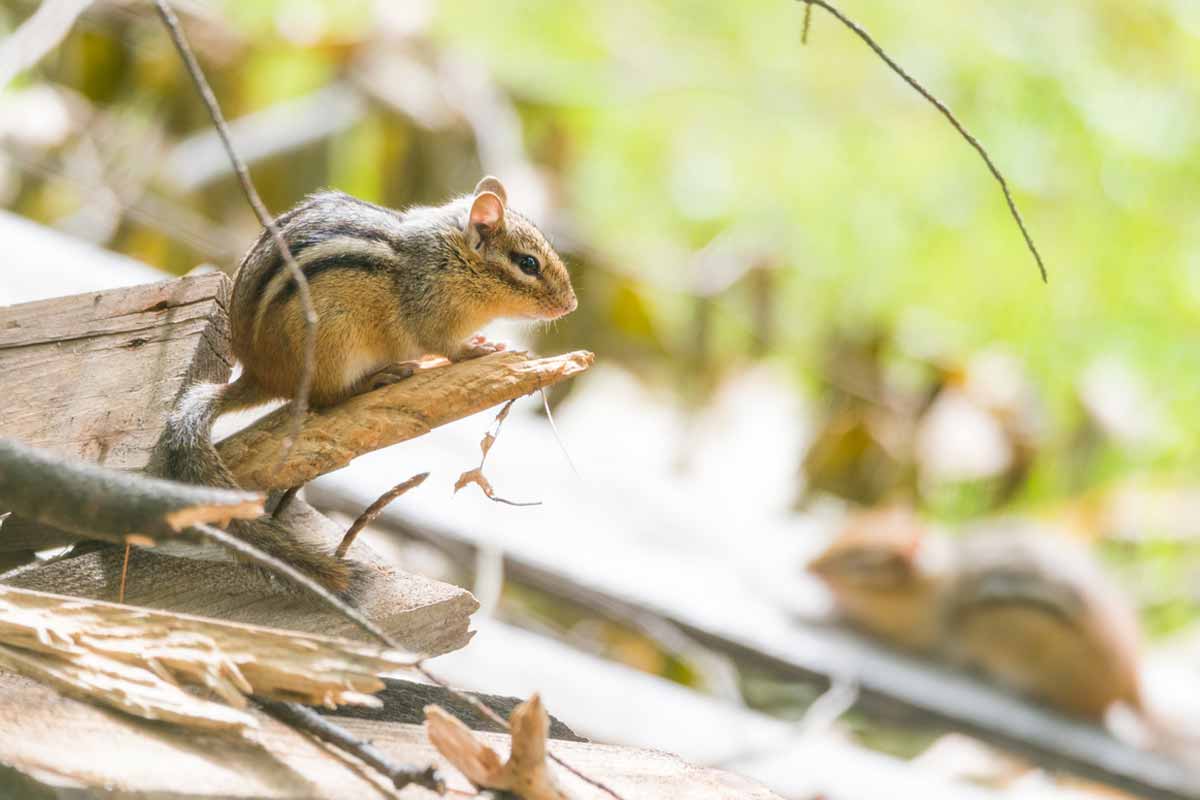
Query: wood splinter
x=525 y=773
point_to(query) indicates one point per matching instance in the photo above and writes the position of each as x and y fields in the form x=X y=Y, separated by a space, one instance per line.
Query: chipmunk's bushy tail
x=185 y=452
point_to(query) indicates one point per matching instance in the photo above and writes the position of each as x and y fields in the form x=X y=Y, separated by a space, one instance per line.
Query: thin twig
x=303 y=718
x=940 y=106
x=124 y=572
x=300 y=400
x=295 y=577
x=375 y=509
x=807 y=23
x=486 y=711
x=285 y=500
x=557 y=437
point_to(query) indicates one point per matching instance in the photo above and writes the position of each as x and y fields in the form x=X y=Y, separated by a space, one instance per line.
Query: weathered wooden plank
x=424 y=615
x=93 y=375
x=51 y=746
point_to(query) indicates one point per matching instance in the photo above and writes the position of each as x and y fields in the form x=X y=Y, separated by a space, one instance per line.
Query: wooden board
x=93 y=375
x=52 y=746
x=425 y=616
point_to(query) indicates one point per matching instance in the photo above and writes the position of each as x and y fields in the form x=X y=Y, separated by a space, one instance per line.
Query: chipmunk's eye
x=528 y=264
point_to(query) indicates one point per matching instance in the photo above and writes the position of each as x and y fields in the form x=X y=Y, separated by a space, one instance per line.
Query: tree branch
x=434 y=396
x=300 y=400
x=940 y=106
x=304 y=719
x=102 y=503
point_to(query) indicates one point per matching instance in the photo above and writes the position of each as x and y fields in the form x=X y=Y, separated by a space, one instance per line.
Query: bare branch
x=102 y=503
x=308 y=721
x=434 y=396
x=940 y=106
x=375 y=509
x=300 y=400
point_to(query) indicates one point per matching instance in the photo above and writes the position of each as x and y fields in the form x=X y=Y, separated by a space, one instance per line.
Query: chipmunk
x=888 y=571
x=1031 y=611
x=388 y=287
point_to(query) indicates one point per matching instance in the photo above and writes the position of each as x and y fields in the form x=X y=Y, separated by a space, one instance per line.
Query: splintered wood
x=525 y=773
x=138 y=660
x=332 y=437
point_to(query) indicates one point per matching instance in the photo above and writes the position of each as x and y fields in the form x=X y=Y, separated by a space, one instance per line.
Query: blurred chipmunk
x=1032 y=612
x=888 y=572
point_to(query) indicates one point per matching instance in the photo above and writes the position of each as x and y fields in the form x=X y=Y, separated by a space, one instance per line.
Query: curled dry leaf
x=526 y=772
x=476 y=475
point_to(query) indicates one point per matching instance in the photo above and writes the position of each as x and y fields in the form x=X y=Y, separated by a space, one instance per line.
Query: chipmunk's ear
x=486 y=218
x=493 y=185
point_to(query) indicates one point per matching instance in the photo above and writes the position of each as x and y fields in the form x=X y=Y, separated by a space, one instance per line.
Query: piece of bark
x=434 y=396
x=137 y=660
x=93 y=376
x=423 y=615
x=51 y=746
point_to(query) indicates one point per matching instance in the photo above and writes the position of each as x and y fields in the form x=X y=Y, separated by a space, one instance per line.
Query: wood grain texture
x=332 y=437
x=110 y=754
x=93 y=375
x=424 y=615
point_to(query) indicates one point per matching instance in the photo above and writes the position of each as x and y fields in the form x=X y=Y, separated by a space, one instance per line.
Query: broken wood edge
x=137 y=660
x=331 y=438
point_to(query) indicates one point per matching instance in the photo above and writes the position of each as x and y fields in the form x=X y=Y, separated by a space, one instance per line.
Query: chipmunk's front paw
x=392 y=373
x=478 y=346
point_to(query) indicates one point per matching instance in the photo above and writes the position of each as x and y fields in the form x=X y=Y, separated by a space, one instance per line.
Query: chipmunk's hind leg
x=388 y=375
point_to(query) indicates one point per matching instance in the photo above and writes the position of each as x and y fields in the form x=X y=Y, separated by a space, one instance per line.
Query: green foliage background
x=666 y=123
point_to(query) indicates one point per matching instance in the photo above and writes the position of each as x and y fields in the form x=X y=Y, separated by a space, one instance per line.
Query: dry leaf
x=476 y=475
